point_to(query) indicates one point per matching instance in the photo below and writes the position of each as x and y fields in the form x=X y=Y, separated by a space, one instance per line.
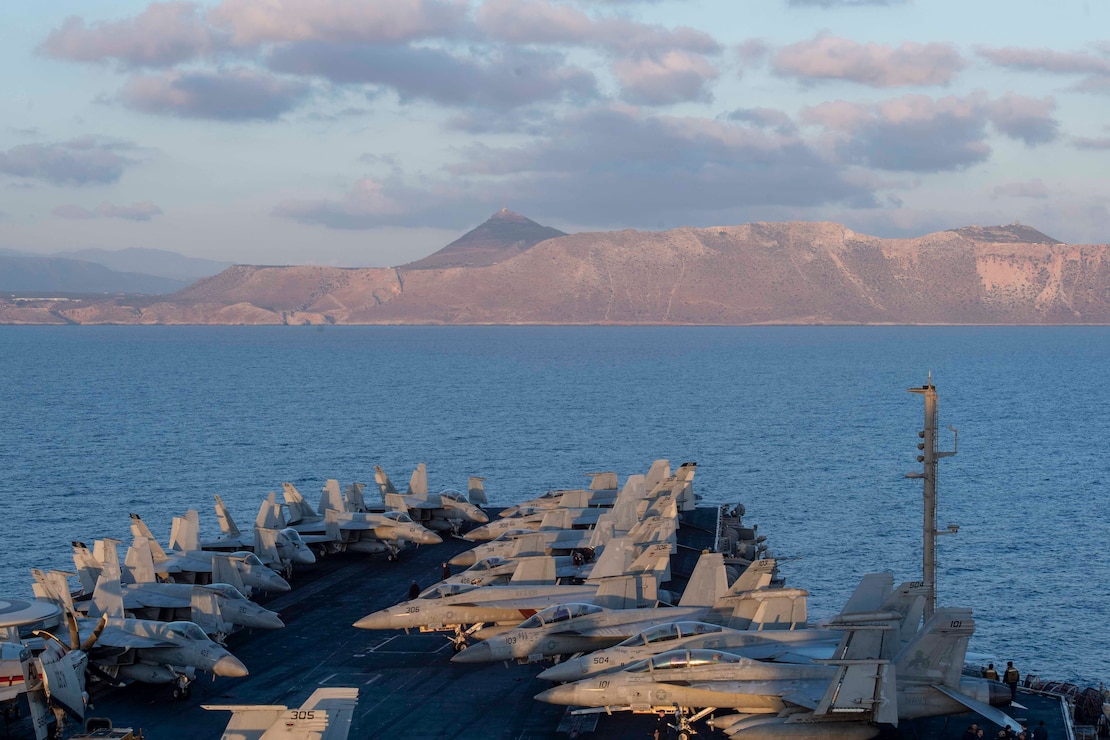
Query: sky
x=372 y=133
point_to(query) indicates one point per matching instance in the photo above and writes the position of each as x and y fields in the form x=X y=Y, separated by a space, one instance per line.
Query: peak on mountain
x=1009 y=234
x=503 y=235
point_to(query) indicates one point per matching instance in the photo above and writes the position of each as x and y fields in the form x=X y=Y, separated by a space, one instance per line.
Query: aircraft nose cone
x=375 y=621
x=478 y=535
x=479 y=653
x=568 y=670
x=479 y=516
x=464 y=559
x=305 y=556
x=564 y=695
x=230 y=666
x=277 y=584
x=428 y=537
x=268 y=620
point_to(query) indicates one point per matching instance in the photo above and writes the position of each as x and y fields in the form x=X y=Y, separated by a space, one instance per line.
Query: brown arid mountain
x=504 y=235
x=759 y=273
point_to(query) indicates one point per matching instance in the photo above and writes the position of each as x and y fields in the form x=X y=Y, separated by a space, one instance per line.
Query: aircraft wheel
x=684 y=735
x=458 y=647
x=177 y=692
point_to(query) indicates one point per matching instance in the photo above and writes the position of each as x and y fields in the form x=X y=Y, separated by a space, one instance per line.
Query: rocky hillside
x=794 y=272
x=505 y=234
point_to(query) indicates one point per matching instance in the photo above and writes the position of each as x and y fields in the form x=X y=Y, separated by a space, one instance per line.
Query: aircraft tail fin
x=659 y=471
x=330 y=498
x=185 y=532
x=628 y=592
x=88 y=567
x=529 y=545
x=757 y=575
x=385 y=485
x=331 y=525
x=654 y=559
x=53 y=586
x=107 y=598
x=936 y=655
x=140 y=530
x=767 y=609
x=606 y=481
x=224 y=571
x=909 y=601
x=299 y=510
x=395 y=502
x=63 y=680
x=538 y=570
x=205 y=611
x=352 y=495
x=708 y=582
x=270 y=515
x=613 y=560
x=557 y=519
x=476 y=491
x=602 y=533
x=418 y=482
x=227 y=524
x=872 y=593
x=265 y=545
x=577 y=499
x=326 y=715
x=339 y=704
x=138 y=565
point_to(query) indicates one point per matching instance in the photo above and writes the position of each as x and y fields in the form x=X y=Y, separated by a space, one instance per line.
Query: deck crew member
x=1010 y=678
x=990 y=672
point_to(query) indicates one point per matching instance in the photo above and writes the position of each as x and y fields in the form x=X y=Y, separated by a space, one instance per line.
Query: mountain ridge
x=757 y=273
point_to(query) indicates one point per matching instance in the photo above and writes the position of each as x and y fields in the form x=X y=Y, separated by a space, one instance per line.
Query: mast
x=930 y=456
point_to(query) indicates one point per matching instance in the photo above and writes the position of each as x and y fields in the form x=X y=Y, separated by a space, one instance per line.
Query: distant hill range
x=94 y=271
x=511 y=270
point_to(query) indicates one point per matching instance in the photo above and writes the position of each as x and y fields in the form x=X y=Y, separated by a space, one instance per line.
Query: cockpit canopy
x=227 y=590
x=184 y=630
x=454 y=496
x=398 y=516
x=443 y=590
x=670 y=631
x=559 y=613
x=249 y=558
x=673 y=659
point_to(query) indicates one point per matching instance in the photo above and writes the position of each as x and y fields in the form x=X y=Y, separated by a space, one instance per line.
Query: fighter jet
x=465 y=608
x=218 y=608
x=802 y=645
x=326 y=715
x=602 y=492
x=343 y=523
x=447 y=511
x=275 y=545
x=576 y=628
x=777 y=700
x=139 y=649
x=185 y=562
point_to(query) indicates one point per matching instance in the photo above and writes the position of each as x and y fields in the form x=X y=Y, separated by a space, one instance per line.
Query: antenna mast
x=929 y=456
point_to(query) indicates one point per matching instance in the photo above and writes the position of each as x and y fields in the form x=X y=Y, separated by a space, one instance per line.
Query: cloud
x=1034 y=188
x=251 y=23
x=1083 y=142
x=921 y=134
x=87 y=160
x=163 y=35
x=764 y=118
x=828 y=57
x=236 y=95
x=532 y=22
x=674 y=77
x=607 y=166
x=142 y=211
x=500 y=80
x=1045 y=60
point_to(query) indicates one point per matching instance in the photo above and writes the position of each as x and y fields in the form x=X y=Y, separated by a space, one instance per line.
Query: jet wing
x=994 y=714
x=113 y=636
x=137 y=598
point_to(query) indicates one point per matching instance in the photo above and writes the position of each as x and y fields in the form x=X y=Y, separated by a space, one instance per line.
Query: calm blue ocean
x=810 y=427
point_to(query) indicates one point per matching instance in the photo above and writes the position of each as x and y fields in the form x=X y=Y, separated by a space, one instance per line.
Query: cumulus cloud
x=502 y=80
x=1084 y=142
x=236 y=95
x=142 y=211
x=673 y=77
x=828 y=57
x=162 y=35
x=1034 y=188
x=921 y=134
x=88 y=160
x=608 y=166
x=251 y=22
x=764 y=117
x=535 y=22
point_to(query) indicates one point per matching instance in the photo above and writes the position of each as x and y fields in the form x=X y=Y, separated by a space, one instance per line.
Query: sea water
x=810 y=428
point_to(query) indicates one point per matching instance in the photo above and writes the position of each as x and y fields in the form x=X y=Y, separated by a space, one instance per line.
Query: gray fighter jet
x=848 y=696
x=218 y=608
x=576 y=628
x=344 y=523
x=326 y=715
x=447 y=511
x=276 y=545
x=140 y=649
x=201 y=567
x=465 y=608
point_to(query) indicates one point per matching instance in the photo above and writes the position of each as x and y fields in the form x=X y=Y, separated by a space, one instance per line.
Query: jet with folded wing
x=447 y=511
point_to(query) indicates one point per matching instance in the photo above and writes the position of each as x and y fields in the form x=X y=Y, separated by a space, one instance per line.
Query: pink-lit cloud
x=673 y=77
x=234 y=95
x=827 y=57
x=87 y=160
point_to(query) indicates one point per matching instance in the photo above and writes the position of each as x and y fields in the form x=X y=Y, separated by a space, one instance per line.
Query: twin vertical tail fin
x=139 y=530
x=299 y=510
x=88 y=567
x=418 y=483
x=385 y=486
x=708 y=582
x=107 y=597
x=936 y=655
x=185 y=532
x=476 y=491
x=227 y=524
